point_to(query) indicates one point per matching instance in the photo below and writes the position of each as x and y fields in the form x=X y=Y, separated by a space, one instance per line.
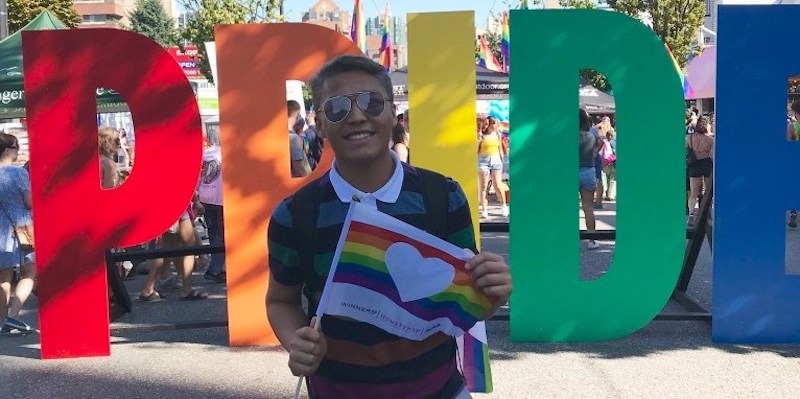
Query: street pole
x=3 y=19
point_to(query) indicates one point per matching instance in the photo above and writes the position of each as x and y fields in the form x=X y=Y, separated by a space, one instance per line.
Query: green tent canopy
x=12 y=95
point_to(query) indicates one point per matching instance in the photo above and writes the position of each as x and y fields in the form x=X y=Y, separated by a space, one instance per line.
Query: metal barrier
x=696 y=234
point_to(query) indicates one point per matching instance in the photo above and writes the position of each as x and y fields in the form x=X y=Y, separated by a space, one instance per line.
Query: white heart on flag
x=417 y=277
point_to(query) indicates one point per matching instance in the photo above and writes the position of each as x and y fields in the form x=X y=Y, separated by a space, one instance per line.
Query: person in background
x=210 y=196
x=400 y=143
x=299 y=162
x=610 y=167
x=490 y=165
x=15 y=210
x=793 y=134
x=315 y=142
x=700 y=171
x=588 y=148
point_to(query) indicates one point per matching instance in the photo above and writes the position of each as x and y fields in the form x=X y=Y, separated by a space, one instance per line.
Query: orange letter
x=254 y=63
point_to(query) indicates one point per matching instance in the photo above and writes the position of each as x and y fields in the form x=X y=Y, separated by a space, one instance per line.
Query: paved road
x=662 y=360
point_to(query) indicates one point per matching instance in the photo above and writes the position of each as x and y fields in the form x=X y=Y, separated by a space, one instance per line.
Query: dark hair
x=398 y=134
x=349 y=63
x=702 y=125
x=796 y=106
x=7 y=141
x=293 y=107
x=584 y=120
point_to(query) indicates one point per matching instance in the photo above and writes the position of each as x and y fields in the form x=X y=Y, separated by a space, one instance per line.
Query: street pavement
x=152 y=359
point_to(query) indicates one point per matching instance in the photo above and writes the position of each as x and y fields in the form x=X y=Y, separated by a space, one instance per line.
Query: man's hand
x=492 y=276
x=306 y=350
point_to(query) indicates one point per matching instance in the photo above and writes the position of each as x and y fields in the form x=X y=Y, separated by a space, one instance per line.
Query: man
x=300 y=166
x=345 y=358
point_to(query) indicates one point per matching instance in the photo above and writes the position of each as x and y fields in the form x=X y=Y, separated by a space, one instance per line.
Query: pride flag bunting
x=401 y=279
x=386 y=42
x=505 y=43
x=688 y=92
x=486 y=57
x=358 y=29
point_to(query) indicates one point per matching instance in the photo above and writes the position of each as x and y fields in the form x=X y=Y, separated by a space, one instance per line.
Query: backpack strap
x=436 y=196
x=304 y=208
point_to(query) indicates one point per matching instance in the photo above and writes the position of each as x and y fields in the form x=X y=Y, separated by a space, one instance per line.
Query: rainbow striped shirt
x=363 y=361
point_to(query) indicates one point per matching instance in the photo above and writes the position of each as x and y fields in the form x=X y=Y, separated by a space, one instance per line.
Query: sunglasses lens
x=371 y=103
x=337 y=108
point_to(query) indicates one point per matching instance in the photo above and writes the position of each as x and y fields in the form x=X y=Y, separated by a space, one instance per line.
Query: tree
x=20 y=12
x=676 y=22
x=204 y=14
x=150 y=19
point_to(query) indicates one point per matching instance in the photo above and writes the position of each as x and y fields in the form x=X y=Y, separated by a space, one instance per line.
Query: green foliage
x=20 y=12
x=204 y=14
x=577 y=3
x=150 y=19
x=493 y=40
x=675 y=21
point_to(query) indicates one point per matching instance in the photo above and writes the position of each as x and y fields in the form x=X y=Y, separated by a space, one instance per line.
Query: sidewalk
x=665 y=359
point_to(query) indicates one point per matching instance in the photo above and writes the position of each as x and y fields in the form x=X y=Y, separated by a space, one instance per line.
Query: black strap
x=436 y=195
x=304 y=208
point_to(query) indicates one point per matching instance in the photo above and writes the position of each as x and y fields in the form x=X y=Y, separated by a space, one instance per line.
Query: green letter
x=550 y=301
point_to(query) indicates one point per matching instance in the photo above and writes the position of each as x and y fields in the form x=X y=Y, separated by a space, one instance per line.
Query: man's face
x=359 y=137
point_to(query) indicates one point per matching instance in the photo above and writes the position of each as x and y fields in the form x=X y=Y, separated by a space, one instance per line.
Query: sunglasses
x=337 y=108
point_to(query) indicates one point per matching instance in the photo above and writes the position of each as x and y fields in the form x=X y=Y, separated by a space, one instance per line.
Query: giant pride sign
x=754 y=300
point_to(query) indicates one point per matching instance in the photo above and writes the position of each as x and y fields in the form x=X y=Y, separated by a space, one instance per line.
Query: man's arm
x=285 y=310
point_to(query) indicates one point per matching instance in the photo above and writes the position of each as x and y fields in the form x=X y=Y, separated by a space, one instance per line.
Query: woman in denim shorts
x=490 y=165
x=589 y=147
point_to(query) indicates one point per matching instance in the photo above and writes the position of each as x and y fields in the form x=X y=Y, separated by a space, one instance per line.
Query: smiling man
x=344 y=358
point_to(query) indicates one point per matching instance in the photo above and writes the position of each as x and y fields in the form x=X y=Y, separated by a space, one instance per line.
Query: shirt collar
x=389 y=193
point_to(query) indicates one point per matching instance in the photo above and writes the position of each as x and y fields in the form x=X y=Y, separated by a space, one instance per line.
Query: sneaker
x=14 y=324
x=505 y=211
x=592 y=244
x=217 y=278
x=484 y=214
x=598 y=206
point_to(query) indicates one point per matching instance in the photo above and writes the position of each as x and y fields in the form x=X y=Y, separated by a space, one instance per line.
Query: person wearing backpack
x=343 y=358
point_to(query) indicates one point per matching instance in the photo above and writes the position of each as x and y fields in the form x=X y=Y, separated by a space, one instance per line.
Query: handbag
x=691 y=157
x=23 y=233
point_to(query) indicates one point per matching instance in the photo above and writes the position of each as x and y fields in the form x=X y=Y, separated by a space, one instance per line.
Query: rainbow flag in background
x=486 y=57
x=401 y=279
x=473 y=359
x=358 y=29
x=688 y=92
x=505 y=43
x=386 y=42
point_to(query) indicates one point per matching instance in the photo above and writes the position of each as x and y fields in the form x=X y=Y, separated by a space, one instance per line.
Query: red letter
x=75 y=220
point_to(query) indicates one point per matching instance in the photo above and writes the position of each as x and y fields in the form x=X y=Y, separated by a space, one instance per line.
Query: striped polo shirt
x=364 y=361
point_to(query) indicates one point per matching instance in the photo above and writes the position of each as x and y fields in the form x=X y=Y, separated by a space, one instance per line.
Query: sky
x=295 y=8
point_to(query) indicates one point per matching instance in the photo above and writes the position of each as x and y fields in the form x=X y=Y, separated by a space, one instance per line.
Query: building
x=111 y=13
x=398 y=29
x=328 y=14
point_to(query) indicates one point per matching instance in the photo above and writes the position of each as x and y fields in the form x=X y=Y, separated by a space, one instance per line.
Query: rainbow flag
x=473 y=359
x=486 y=57
x=401 y=279
x=505 y=43
x=358 y=29
x=385 y=54
x=688 y=92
